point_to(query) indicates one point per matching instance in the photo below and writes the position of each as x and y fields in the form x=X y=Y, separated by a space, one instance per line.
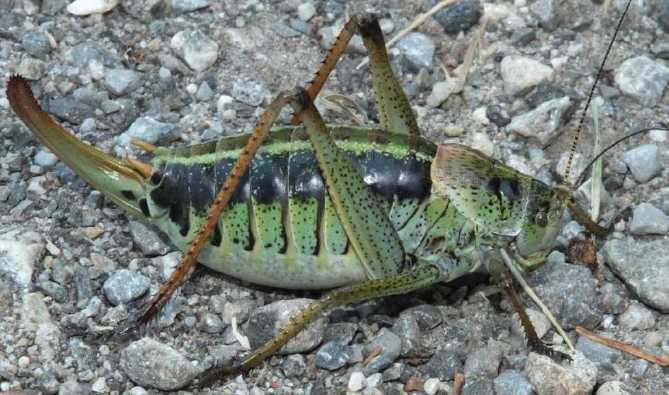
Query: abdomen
x=280 y=228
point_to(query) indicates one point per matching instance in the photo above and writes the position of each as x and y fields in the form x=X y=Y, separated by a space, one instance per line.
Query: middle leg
x=395 y=113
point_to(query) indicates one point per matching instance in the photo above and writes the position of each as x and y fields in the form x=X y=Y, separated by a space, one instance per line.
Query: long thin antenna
x=577 y=135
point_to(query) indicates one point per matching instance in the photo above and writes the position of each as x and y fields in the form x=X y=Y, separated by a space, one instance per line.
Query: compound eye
x=541 y=218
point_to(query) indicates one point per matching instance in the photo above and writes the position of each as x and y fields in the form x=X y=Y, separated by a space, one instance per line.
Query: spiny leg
x=533 y=340
x=394 y=110
x=422 y=276
x=220 y=203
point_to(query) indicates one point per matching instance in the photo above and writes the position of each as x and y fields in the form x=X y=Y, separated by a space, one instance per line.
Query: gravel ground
x=73 y=267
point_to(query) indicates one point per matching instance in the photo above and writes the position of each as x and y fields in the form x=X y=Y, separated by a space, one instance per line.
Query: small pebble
x=648 y=219
x=125 y=285
x=643 y=162
x=418 y=49
x=122 y=81
x=356 y=382
x=521 y=73
x=642 y=78
x=306 y=11
x=637 y=317
x=195 y=48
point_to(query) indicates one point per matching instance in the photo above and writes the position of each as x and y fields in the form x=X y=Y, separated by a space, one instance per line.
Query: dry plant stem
x=416 y=22
x=596 y=183
x=530 y=292
x=470 y=55
x=624 y=347
x=458 y=384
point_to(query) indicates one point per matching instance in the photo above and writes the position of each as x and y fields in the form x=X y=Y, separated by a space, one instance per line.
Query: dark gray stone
x=644 y=267
x=459 y=17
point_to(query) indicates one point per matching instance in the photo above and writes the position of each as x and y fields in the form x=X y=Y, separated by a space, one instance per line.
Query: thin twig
x=473 y=48
x=624 y=347
x=458 y=384
x=530 y=292
x=416 y=22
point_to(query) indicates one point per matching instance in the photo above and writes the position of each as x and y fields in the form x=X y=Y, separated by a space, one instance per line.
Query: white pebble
x=88 y=7
x=306 y=11
x=431 y=386
x=356 y=382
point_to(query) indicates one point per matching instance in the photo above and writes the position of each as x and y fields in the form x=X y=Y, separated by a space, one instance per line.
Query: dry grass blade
x=596 y=184
x=624 y=347
x=470 y=55
x=414 y=24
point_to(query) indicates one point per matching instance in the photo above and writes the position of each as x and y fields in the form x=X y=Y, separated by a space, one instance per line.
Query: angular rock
x=266 y=321
x=512 y=382
x=294 y=365
x=637 y=316
x=643 y=265
x=249 y=92
x=596 y=352
x=195 y=48
x=483 y=362
x=642 y=78
x=184 y=6
x=125 y=285
x=147 y=239
x=643 y=162
x=390 y=346
x=550 y=378
x=156 y=365
x=89 y=51
x=542 y=123
x=20 y=252
x=443 y=365
x=333 y=355
x=149 y=130
x=571 y=301
x=521 y=73
x=418 y=49
x=613 y=388
x=122 y=81
x=539 y=321
x=459 y=17
x=648 y=219
x=36 y=44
